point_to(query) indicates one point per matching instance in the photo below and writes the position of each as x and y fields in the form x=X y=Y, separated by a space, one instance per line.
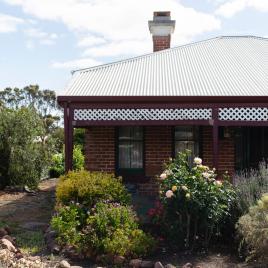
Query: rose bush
x=195 y=203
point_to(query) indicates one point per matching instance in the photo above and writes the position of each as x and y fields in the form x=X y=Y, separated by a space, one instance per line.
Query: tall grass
x=250 y=185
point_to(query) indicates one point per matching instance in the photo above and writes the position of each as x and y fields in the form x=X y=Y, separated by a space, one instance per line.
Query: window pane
x=130 y=133
x=184 y=133
x=137 y=155
x=124 y=155
x=130 y=143
x=186 y=138
x=137 y=133
x=125 y=133
x=181 y=146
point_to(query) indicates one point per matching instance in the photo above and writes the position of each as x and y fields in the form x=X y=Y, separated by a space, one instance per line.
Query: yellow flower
x=188 y=196
x=265 y=198
x=197 y=161
x=174 y=188
x=265 y=201
x=184 y=188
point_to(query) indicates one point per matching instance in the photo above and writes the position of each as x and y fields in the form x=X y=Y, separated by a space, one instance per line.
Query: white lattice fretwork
x=142 y=114
x=243 y=114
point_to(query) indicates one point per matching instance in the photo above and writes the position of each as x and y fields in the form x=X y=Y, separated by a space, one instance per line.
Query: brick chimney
x=161 y=28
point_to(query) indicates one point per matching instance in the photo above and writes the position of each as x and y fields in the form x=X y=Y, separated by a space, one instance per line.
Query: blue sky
x=43 y=40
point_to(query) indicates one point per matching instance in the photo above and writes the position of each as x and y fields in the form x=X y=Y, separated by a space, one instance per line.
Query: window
x=251 y=146
x=130 y=150
x=187 y=137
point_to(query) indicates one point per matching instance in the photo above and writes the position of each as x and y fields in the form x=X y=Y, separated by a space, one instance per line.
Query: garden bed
x=24 y=213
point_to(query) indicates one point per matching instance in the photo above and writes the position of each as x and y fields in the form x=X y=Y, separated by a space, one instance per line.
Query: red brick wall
x=158 y=148
x=161 y=42
x=226 y=151
x=100 y=149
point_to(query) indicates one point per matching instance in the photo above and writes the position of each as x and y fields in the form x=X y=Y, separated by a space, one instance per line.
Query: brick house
x=210 y=97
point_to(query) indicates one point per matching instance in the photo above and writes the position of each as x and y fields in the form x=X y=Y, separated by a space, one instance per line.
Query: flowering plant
x=195 y=202
x=252 y=228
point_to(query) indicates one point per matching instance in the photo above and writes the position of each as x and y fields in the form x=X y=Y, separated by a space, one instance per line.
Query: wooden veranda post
x=215 y=138
x=68 y=137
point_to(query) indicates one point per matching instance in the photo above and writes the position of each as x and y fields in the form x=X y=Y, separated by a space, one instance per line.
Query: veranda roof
x=222 y=66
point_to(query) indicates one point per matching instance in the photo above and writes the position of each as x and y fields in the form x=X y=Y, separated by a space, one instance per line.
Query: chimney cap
x=161 y=13
x=161 y=25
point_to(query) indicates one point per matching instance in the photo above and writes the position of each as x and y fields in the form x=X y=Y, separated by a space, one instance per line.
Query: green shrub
x=57 y=166
x=112 y=229
x=68 y=223
x=78 y=158
x=79 y=137
x=253 y=228
x=88 y=188
x=195 y=203
x=93 y=216
x=23 y=155
x=108 y=229
x=250 y=185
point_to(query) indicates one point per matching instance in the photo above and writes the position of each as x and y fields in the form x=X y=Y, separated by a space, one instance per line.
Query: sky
x=42 y=41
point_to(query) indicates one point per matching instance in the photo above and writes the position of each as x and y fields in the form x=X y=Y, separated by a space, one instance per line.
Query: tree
x=43 y=101
x=23 y=156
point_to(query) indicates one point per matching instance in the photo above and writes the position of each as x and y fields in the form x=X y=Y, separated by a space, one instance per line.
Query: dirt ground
x=26 y=209
x=28 y=215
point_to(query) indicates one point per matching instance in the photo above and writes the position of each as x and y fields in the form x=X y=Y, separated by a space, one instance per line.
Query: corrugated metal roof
x=223 y=66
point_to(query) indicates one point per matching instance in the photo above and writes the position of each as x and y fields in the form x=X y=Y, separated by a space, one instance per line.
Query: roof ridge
x=164 y=51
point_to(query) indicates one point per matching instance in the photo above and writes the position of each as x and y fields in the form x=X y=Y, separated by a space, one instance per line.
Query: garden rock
x=170 y=266
x=158 y=265
x=10 y=238
x=28 y=190
x=135 y=263
x=119 y=260
x=104 y=258
x=8 y=245
x=19 y=255
x=3 y=253
x=34 y=258
x=147 y=264
x=64 y=264
x=3 y=232
x=50 y=239
x=187 y=265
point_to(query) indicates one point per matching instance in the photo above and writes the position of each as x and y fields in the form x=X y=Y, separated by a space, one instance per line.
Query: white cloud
x=43 y=37
x=9 y=23
x=90 y=40
x=232 y=7
x=76 y=64
x=121 y=48
x=119 y=21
